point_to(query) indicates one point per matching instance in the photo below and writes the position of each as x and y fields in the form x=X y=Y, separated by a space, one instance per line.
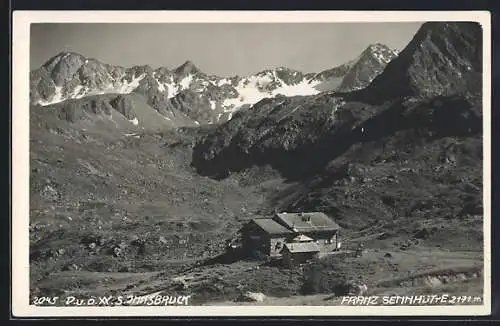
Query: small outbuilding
x=298 y=253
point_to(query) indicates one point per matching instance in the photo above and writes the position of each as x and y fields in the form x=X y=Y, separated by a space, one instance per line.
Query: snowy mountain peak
x=369 y=64
x=378 y=47
x=379 y=52
x=203 y=98
x=441 y=58
x=62 y=56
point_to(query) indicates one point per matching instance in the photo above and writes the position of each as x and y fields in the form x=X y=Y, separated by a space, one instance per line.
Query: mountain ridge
x=286 y=132
x=69 y=75
x=442 y=58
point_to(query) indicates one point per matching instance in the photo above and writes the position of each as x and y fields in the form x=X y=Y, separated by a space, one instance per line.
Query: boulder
x=433 y=281
x=251 y=297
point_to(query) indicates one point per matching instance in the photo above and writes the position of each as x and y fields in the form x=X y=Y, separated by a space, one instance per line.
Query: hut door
x=255 y=242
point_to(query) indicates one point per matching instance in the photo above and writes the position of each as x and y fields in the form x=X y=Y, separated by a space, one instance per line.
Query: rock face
x=423 y=88
x=275 y=131
x=126 y=112
x=357 y=73
x=368 y=66
x=441 y=59
x=205 y=99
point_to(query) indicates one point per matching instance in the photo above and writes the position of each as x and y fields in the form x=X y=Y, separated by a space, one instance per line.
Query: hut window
x=278 y=246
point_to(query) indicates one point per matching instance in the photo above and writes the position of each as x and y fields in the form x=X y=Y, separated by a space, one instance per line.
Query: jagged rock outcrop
x=441 y=59
x=302 y=134
x=369 y=65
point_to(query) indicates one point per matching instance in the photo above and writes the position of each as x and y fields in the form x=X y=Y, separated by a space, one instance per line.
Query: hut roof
x=304 y=222
x=270 y=226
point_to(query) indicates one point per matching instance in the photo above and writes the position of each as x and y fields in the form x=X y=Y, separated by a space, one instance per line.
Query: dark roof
x=270 y=226
x=302 y=247
x=303 y=222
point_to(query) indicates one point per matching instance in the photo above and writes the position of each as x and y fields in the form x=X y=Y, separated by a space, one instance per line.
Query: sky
x=223 y=49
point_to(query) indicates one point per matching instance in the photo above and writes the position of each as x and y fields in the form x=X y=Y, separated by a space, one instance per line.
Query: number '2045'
x=37 y=301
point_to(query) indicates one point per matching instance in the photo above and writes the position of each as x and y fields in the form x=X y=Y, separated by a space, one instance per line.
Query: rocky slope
x=345 y=150
x=123 y=112
x=441 y=59
x=438 y=63
x=366 y=67
x=203 y=98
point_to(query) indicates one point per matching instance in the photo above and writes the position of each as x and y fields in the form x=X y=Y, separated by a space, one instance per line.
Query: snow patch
x=223 y=81
x=161 y=87
x=301 y=89
x=58 y=97
x=128 y=87
x=186 y=81
x=212 y=105
x=169 y=87
x=381 y=58
x=79 y=92
x=134 y=121
x=172 y=90
x=251 y=93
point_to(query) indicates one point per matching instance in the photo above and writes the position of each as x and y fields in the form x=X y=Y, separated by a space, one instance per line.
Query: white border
x=20 y=156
